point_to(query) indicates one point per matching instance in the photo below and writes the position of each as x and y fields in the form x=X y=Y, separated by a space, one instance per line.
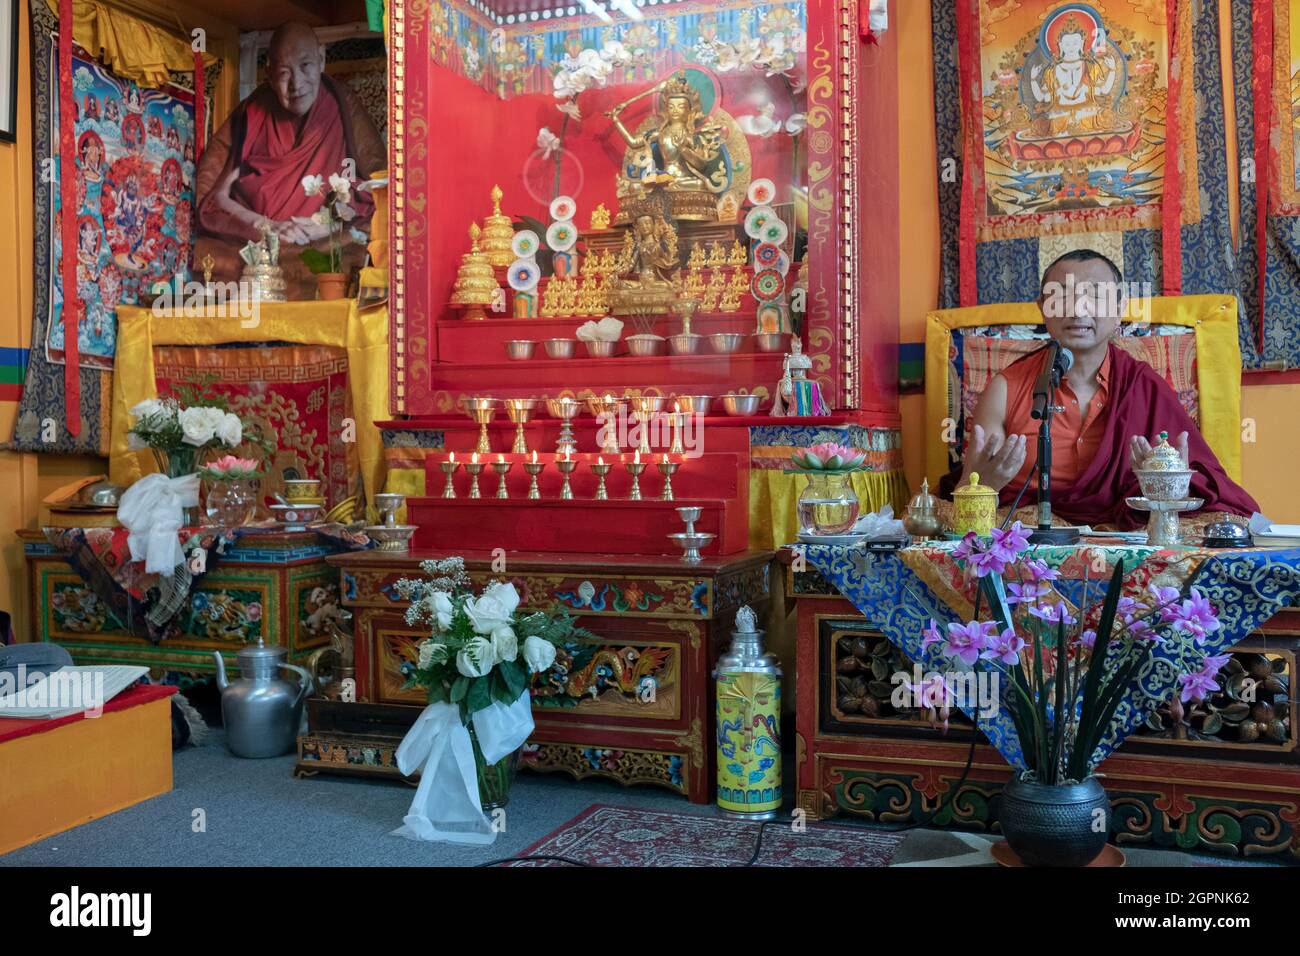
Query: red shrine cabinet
x=735 y=154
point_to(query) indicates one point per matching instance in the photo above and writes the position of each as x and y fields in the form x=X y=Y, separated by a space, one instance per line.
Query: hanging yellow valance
x=131 y=47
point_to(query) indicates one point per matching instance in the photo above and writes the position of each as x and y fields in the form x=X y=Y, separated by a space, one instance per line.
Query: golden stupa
x=476 y=283
x=498 y=234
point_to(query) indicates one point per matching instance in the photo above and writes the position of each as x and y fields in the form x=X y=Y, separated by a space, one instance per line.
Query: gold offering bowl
x=520 y=411
x=481 y=411
x=565 y=409
x=302 y=489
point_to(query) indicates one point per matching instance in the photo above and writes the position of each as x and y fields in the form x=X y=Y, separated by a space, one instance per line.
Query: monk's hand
x=312 y=229
x=995 y=458
x=292 y=233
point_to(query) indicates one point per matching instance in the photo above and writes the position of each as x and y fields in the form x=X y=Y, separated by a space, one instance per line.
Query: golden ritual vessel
x=974 y=507
x=498 y=234
x=476 y=283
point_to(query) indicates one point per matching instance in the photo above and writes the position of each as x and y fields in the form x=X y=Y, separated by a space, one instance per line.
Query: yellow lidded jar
x=974 y=507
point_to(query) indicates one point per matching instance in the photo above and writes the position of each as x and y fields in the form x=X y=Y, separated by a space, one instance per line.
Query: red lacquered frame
x=851 y=326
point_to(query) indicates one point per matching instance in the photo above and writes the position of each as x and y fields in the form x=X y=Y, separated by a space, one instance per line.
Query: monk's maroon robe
x=1142 y=403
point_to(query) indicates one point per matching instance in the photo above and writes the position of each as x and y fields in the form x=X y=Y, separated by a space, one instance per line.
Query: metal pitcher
x=261 y=710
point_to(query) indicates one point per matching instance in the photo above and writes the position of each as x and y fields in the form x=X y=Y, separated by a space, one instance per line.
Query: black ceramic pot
x=1055 y=825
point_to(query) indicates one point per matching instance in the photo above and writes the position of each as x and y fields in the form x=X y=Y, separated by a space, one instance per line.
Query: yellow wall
x=1266 y=462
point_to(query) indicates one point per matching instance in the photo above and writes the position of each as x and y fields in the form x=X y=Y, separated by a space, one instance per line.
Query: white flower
x=150 y=406
x=795 y=123
x=443 y=609
x=570 y=109
x=476 y=659
x=199 y=424
x=313 y=185
x=431 y=653
x=341 y=185
x=135 y=443
x=539 y=654
x=494 y=608
x=504 y=644
x=547 y=142
x=567 y=84
x=615 y=54
x=230 y=430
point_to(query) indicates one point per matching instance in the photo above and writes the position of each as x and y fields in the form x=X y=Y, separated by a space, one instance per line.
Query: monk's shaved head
x=294 y=64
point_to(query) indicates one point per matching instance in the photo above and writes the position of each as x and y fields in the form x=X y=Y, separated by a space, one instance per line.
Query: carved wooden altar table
x=637 y=708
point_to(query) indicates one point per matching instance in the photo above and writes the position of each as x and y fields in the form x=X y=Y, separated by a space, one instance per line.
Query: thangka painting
x=134 y=171
x=135 y=182
x=1065 y=138
x=1266 y=78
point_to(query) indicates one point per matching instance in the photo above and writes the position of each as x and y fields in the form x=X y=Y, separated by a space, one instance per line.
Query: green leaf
x=515 y=678
x=437 y=692
x=1084 y=731
x=459 y=688
x=315 y=261
x=479 y=696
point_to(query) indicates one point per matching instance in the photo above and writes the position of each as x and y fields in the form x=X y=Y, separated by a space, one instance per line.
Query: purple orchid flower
x=967 y=641
x=931 y=635
x=1025 y=593
x=1196 y=686
x=934 y=690
x=968 y=546
x=1128 y=607
x=1213 y=665
x=1037 y=570
x=1055 y=613
x=1142 y=630
x=1004 y=647
x=1012 y=542
x=984 y=563
x=1196 y=616
x=1087 y=639
x=1164 y=597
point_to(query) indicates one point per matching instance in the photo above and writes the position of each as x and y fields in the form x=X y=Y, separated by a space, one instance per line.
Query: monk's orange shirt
x=1076 y=432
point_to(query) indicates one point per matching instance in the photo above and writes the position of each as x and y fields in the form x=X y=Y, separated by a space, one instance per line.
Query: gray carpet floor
x=257 y=814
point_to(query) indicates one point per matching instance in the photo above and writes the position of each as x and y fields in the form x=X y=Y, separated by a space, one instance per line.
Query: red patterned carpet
x=627 y=836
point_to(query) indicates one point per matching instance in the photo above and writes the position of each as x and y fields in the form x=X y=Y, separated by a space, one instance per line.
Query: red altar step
x=580 y=526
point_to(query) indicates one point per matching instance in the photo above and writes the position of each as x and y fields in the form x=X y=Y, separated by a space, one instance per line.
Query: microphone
x=1050 y=377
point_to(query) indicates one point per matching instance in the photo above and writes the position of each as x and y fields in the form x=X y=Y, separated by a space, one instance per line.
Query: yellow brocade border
x=1218 y=366
x=131 y=47
x=363 y=335
x=1284 y=194
x=774 y=496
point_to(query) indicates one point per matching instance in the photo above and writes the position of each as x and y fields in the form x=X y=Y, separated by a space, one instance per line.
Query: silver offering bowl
x=769 y=341
x=560 y=348
x=641 y=346
x=565 y=409
x=519 y=350
x=740 y=405
x=600 y=348
x=391 y=537
x=725 y=342
x=685 y=343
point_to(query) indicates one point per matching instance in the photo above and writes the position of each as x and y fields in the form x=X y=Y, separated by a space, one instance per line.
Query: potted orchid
x=232 y=490
x=828 y=504
x=480 y=658
x=335 y=212
x=1063 y=674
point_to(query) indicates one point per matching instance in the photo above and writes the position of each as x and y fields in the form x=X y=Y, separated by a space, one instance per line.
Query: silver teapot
x=261 y=710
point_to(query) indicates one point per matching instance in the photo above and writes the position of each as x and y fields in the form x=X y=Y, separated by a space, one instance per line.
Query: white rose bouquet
x=179 y=428
x=482 y=649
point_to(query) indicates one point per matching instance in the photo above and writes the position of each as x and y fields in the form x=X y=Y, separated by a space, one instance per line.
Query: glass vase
x=828 y=504
x=231 y=502
x=494 y=779
x=177 y=464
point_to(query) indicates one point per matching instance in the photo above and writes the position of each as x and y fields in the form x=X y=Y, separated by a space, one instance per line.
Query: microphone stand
x=1045 y=533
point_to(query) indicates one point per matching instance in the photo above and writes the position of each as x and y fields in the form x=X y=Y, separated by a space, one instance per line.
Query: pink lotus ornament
x=828 y=456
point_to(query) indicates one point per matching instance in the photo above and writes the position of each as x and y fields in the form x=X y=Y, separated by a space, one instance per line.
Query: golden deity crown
x=678 y=86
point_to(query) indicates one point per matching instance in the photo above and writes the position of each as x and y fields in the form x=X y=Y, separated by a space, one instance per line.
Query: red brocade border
x=72 y=308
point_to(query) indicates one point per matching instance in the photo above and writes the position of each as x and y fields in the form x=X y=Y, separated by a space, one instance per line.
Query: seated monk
x=1113 y=403
x=299 y=123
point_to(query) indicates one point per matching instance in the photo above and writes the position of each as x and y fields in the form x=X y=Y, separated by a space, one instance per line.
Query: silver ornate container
x=261 y=710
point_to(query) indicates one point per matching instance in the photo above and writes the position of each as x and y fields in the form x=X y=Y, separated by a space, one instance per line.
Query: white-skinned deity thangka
x=1063 y=139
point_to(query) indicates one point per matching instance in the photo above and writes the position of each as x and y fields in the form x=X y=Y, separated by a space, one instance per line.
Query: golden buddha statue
x=739 y=255
x=600 y=217
x=678 y=149
x=498 y=234
x=650 y=255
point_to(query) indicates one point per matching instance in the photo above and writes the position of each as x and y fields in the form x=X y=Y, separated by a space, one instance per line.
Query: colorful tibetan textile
x=133 y=175
x=298 y=393
x=1266 y=78
x=901 y=592
x=150 y=606
x=1053 y=121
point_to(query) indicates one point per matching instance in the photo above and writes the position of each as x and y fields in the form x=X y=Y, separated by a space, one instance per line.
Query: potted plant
x=334 y=213
x=828 y=505
x=482 y=653
x=1063 y=673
